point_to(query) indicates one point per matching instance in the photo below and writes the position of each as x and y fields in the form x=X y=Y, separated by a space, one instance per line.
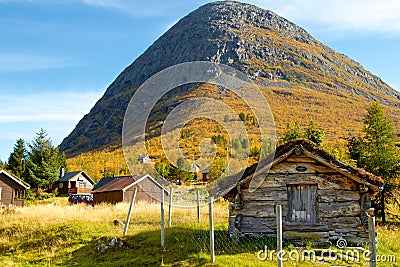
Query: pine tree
x=182 y=172
x=245 y=143
x=376 y=151
x=242 y=116
x=2 y=165
x=44 y=162
x=356 y=150
x=17 y=159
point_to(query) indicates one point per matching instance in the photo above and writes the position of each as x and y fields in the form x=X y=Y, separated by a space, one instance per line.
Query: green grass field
x=53 y=233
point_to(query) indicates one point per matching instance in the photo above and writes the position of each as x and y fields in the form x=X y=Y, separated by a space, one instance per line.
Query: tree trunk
x=383 y=205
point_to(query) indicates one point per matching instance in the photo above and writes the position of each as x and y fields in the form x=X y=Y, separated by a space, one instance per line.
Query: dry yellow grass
x=54 y=233
x=143 y=213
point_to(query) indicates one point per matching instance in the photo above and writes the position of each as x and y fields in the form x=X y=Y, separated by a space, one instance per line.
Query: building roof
x=70 y=175
x=108 y=184
x=321 y=155
x=114 y=184
x=16 y=179
x=195 y=165
x=102 y=182
x=312 y=150
x=207 y=170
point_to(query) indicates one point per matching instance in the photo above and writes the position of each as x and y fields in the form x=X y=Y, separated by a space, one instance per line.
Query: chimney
x=62 y=172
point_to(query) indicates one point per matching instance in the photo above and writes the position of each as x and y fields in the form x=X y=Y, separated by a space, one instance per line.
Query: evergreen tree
x=245 y=143
x=226 y=118
x=17 y=159
x=376 y=151
x=3 y=165
x=242 y=116
x=220 y=140
x=44 y=162
x=356 y=150
x=236 y=144
x=181 y=163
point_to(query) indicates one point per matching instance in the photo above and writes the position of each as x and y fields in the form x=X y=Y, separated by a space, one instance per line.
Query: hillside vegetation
x=339 y=116
x=301 y=78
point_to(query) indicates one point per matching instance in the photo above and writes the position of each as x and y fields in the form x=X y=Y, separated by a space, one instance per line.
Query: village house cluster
x=323 y=199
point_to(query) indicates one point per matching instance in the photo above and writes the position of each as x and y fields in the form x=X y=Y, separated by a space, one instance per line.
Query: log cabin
x=12 y=190
x=323 y=199
x=120 y=189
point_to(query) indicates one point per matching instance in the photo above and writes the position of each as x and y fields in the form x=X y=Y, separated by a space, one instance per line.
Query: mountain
x=301 y=77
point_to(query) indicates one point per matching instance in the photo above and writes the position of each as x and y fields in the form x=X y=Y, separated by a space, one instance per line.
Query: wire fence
x=192 y=231
x=224 y=242
x=195 y=230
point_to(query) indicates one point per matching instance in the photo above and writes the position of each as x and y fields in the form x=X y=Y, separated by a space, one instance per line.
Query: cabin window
x=302 y=203
x=60 y=185
x=19 y=194
x=82 y=184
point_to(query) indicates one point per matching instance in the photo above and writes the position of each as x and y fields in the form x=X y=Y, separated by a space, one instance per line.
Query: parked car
x=81 y=198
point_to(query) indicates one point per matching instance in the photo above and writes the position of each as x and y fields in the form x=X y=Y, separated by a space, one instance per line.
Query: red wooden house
x=120 y=189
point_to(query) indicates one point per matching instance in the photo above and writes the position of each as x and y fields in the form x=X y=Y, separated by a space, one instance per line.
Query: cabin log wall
x=338 y=203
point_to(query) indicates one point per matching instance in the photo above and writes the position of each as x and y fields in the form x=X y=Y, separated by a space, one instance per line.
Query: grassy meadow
x=54 y=233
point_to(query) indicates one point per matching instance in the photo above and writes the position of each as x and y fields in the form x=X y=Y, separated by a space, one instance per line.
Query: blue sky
x=58 y=57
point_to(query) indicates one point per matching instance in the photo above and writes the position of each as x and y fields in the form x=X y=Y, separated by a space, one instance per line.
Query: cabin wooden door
x=302 y=203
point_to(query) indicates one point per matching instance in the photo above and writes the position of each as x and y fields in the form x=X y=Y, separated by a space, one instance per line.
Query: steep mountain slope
x=301 y=77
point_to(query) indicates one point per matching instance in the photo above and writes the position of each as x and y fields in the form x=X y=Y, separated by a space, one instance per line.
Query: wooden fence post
x=198 y=204
x=279 y=233
x=170 y=207
x=372 y=241
x=128 y=218
x=162 y=219
x=211 y=215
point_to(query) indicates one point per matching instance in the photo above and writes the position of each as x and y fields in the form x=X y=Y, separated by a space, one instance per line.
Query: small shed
x=73 y=183
x=322 y=199
x=205 y=174
x=196 y=168
x=120 y=189
x=144 y=159
x=12 y=190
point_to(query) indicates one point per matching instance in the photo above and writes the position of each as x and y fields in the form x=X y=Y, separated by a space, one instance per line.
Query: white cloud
x=46 y=107
x=149 y=8
x=22 y=62
x=359 y=15
x=338 y=15
x=23 y=115
x=35 y=117
x=105 y=3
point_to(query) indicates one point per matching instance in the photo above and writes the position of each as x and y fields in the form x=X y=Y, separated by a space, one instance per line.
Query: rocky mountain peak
x=268 y=48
